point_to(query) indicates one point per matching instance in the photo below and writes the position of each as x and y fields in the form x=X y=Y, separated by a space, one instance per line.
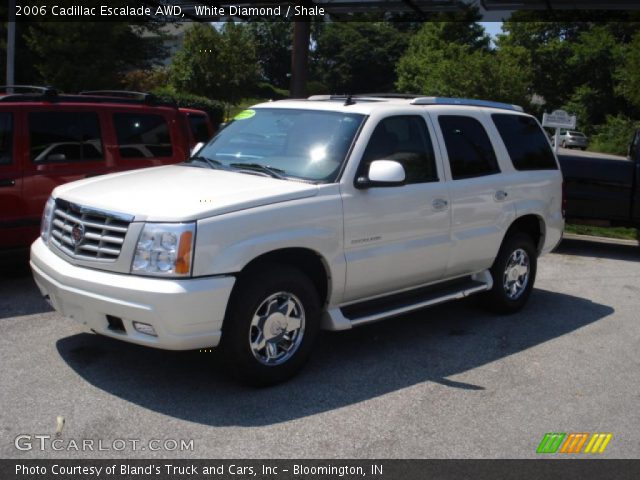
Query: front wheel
x=514 y=273
x=272 y=322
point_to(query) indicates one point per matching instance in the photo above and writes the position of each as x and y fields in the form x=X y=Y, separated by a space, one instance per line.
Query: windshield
x=304 y=144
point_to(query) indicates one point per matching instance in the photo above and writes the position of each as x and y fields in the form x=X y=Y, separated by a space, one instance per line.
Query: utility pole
x=300 y=58
x=11 y=42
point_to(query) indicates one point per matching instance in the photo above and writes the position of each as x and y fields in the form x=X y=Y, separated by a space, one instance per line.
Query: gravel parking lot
x=448 y=382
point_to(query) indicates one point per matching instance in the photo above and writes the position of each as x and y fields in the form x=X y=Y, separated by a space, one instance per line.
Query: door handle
x=500 y=195
x=9 y=182
x=439 y=204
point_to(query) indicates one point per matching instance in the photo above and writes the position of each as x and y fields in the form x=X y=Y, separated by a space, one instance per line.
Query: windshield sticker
x=243 y=115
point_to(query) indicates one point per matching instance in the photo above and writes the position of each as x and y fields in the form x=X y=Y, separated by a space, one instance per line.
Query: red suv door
x=13 y=224
x=64 y=144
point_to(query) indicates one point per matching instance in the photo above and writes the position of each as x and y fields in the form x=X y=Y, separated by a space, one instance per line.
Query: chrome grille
x=88 y=234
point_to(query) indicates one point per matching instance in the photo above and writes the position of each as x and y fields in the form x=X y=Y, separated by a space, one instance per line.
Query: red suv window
x=6 y=138
x=142 y=135
x=64 y=137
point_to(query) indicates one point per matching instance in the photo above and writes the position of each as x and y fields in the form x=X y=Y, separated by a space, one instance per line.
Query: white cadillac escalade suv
x=330 y=212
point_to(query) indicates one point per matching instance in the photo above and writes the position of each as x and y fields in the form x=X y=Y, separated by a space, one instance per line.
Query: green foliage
x=268 y=91
x=216 y=64
x=354 y=57
x=145 y=80
x=608 y=232
x=88 y=55
x=214 y=109
x=614 y=136
x=455 y=60
x=628 y=73
x=273 y=50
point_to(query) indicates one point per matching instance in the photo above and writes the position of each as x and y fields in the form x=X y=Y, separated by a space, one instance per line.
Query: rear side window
x=64 y=137
x=6 y=138
x=199 y=129
x=470 y=151
x=406 y=140
x=142 y=135
x=526 y=143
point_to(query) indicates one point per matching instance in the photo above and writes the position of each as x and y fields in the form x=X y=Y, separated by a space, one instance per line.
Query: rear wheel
x=271 y=325
x=514 y=273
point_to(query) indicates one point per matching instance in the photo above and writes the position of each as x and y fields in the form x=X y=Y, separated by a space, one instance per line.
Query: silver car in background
x=573 y=139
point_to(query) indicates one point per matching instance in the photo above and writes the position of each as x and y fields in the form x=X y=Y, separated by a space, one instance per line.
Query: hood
x=180 y=193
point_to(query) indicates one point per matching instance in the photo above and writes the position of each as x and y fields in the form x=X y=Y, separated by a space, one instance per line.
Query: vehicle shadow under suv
x=347 y=367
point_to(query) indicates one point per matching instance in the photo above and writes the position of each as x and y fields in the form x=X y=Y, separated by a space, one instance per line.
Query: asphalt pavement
x=448 y=382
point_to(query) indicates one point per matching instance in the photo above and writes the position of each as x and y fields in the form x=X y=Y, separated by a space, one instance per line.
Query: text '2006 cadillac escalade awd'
x=307 y=214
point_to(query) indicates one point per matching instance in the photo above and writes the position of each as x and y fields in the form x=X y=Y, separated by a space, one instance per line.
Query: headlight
x=164 y=249
x=45 y=223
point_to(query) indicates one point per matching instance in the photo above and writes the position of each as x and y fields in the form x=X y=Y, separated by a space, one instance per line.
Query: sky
x=492 y=28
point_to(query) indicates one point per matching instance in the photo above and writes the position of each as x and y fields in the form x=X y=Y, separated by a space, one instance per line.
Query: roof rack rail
x=387 y=95
x=465 y=101
x=319 y=98
x=119 y=93
x=29 y=91
x=34 y=88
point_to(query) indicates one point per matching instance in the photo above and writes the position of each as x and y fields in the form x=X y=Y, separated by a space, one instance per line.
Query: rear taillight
x=564 y=199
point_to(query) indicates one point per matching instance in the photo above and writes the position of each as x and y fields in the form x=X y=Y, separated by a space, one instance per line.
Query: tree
x=352 y=57
x=89 y=55
x=628 y=73
x=454 y=59
x=273 y=50
x=215 y=63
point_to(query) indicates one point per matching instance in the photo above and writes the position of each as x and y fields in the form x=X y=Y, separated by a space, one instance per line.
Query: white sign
x=559 y=119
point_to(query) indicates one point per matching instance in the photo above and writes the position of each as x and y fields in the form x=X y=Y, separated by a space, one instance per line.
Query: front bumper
x=186 y=314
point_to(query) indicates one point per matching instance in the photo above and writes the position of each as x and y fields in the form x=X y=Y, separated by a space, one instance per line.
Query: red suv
x=48 y=138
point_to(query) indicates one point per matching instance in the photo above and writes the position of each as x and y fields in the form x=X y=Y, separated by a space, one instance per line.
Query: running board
x=353 y=315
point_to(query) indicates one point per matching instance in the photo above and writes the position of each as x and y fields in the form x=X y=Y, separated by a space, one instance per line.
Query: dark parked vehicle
x=605 y=189
x=47 y=139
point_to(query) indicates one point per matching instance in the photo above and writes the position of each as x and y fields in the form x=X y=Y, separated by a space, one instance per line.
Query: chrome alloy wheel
x=516 y=274
x=277 y=328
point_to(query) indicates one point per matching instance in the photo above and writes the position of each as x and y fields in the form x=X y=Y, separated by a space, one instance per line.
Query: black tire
x=265 y=294
x=502 y=298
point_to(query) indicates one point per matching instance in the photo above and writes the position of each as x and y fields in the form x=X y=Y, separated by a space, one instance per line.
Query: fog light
x=145 y=328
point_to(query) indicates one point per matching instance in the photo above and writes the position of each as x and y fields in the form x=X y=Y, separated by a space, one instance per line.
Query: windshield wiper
x=271 y=171
x=209 y=161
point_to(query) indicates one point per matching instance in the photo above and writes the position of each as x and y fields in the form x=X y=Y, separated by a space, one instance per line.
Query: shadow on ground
x=18 y=292
x=594 y=249
x=347 y=367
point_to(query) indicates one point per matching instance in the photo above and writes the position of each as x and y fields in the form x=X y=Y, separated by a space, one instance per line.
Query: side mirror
x=382 y=173
x=197 y=147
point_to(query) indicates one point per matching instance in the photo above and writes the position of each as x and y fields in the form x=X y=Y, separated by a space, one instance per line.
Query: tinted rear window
x=470 y=151
x=142 y=135
x=64 y=137
x=526 y=143
x=6 y=138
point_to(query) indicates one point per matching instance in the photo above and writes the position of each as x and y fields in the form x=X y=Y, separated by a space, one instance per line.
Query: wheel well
x=533 y=226
x=307 y=261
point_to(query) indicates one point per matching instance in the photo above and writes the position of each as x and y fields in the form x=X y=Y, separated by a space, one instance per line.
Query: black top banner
x=141 y=11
